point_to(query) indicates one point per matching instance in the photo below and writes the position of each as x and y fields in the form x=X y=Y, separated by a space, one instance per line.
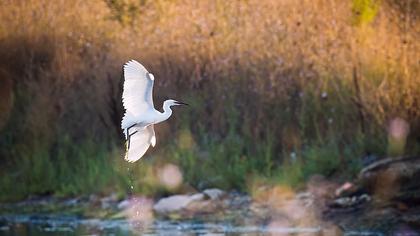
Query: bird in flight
x=140 y=114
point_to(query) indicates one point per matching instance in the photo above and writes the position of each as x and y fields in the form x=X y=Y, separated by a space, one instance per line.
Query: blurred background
x=279 y=91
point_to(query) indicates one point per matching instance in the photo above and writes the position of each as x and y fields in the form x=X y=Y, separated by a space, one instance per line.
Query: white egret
x=140 y=115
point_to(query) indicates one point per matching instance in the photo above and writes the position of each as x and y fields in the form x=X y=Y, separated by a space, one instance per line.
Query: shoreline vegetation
x=279 y=91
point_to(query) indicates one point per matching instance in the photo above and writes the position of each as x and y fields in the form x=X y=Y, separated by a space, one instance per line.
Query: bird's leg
x=129 y=135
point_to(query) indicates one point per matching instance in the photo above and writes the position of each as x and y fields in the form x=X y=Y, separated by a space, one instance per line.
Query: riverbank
x=212 y=211
x=323 y=207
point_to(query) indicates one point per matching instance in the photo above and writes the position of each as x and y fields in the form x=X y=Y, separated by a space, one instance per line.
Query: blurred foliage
x=125 y=11
x=72 y=170
x=365 y=10
x=279 y=90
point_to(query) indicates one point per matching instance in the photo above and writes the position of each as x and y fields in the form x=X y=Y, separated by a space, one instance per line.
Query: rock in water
x=214 y=193
x=385 y=194
x=393 y=179
x=176 y=203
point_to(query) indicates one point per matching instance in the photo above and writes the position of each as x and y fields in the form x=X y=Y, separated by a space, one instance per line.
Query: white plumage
x=140 y=115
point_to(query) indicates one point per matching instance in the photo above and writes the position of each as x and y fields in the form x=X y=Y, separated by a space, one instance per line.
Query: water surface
x=70 y=225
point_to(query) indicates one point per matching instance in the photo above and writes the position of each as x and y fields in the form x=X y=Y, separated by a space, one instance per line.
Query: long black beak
x=181 y=103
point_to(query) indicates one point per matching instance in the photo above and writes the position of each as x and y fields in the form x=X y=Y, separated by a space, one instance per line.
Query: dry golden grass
x=294 y=70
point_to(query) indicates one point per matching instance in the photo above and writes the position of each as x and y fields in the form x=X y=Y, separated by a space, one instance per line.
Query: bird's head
x=172 y=102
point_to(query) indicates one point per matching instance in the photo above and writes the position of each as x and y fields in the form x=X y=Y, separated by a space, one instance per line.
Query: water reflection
x=66 y=225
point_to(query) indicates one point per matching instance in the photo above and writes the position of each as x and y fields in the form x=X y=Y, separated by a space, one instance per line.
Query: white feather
x=139 y=142
x=137 y=92
x=140 y=115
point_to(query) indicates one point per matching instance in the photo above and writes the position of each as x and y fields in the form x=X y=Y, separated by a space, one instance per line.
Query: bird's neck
x=167 y=112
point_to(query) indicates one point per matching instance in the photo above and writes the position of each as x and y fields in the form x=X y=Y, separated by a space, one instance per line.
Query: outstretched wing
x=138 y=90
x=138 y=142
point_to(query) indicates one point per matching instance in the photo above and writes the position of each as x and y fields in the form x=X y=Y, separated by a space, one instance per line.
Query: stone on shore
x=175 y=203
x=214 y=193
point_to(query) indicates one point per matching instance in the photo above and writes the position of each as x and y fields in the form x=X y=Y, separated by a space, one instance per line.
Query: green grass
x=75 y=169
x=206 y=159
